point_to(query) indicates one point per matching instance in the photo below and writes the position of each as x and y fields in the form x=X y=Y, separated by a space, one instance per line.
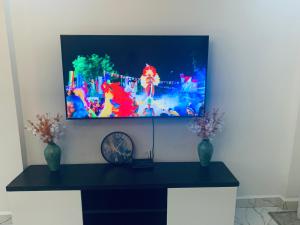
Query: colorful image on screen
x=134 y=76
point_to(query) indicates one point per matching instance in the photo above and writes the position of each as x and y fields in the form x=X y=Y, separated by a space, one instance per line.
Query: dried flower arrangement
x=48 y=128
x=207 y=126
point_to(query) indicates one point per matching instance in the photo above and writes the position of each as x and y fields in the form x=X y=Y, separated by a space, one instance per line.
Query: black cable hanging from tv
x=151 y=153
x=149 y=162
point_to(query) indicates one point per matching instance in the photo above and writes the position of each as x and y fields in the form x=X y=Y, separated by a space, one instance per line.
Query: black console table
x=112 y=195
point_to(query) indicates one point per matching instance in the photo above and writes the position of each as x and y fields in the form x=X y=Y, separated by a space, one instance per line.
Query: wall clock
x=117 y=148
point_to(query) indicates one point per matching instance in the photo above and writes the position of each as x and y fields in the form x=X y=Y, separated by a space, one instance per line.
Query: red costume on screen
x=117 y=103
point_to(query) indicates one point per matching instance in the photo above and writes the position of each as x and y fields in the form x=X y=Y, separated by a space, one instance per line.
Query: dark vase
x=52 y=155
x=205 y=152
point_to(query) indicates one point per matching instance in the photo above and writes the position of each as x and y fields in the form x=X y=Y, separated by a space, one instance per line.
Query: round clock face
x=117 y=148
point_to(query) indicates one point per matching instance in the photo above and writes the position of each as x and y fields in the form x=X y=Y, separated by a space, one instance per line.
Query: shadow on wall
x=173 y=140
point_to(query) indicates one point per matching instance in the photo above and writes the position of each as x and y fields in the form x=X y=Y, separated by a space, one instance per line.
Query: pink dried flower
x=207 y=126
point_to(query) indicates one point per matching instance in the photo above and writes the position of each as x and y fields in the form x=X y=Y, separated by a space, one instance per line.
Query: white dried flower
x=47 y=128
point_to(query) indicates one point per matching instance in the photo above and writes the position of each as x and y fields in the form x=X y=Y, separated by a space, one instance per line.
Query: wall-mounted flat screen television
x=121 y=76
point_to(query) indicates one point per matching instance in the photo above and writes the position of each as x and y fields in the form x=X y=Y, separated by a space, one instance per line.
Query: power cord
x=151 y=154
x=148 y=162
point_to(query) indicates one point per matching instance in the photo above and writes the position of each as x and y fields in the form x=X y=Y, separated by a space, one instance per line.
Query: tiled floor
x=5 y=220
x=256 y=211
x=255 y=216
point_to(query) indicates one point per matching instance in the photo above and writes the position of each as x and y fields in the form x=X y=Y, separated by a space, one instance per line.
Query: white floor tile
x=5 y=220
x=255 y=216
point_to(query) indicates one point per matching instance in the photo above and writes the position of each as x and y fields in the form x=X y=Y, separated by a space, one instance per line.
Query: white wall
x=10 y=159
x=293 y=188
x=253 y=55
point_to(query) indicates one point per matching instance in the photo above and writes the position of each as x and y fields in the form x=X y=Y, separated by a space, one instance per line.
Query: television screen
x=110 y=76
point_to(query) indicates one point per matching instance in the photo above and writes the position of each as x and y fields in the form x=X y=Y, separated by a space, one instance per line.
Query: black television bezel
x=132 y=117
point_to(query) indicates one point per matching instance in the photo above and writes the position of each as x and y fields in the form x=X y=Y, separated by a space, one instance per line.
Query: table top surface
x=107 y=176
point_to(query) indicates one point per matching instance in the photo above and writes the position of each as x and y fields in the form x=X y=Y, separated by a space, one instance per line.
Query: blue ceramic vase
x=205 y=152
x=52 y=155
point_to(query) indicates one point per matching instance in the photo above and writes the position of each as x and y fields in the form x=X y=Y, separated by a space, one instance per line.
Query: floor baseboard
x=273 y=201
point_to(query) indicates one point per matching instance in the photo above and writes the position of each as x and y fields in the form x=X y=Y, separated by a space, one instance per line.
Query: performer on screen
x=149 y=79
x=118 y=103
x=75 y=107
x=148 y=111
